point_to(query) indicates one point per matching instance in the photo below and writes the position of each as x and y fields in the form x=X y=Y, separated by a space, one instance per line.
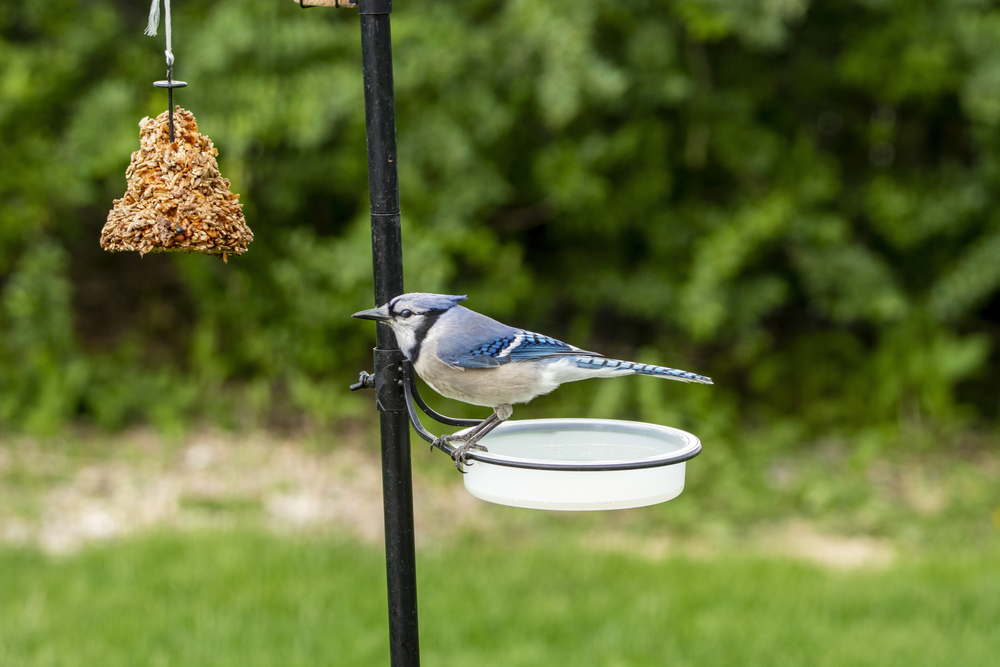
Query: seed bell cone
x=176 y=199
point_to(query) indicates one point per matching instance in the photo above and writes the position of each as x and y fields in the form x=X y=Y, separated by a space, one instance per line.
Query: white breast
x=504 y=384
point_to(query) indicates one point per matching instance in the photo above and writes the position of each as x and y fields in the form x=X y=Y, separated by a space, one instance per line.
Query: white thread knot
x=154 y=24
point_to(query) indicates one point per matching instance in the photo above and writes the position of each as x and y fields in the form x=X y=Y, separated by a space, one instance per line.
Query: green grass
x=245 y=598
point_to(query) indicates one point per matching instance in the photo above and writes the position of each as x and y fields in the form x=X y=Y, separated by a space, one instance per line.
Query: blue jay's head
x=411 y=316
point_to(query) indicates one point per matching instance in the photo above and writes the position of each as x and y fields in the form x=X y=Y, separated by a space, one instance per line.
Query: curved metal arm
x=409 y=377
x=413 y=396
x=414 y=419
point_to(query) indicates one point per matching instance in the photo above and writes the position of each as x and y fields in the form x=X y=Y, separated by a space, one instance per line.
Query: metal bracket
x=389 y=380
x=412 y=398
x=170 y=84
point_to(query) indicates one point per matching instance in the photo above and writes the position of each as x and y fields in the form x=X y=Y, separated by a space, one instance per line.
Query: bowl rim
x=691 y=448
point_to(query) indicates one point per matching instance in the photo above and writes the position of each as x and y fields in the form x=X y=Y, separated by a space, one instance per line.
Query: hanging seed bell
x=176 y=200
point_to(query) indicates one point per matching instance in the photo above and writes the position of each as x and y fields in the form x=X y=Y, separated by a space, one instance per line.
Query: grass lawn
x=248 y=598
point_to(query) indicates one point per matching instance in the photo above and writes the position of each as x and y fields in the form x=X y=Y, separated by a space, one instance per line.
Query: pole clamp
x=389 y=396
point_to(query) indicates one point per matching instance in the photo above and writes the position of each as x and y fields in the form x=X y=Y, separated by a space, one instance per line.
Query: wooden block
x=327 y=3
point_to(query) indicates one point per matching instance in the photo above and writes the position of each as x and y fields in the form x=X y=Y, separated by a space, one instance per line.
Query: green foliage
x=42 y=372
x=794 y=197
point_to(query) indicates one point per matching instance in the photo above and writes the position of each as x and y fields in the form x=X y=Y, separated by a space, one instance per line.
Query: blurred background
x=795 y=197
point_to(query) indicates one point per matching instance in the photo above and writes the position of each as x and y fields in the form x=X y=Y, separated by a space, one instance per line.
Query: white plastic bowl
x=580 y=464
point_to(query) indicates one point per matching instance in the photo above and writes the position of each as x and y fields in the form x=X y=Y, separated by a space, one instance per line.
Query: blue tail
x=614 y=366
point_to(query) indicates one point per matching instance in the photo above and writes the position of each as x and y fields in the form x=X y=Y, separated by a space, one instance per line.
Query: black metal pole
x=387 y=260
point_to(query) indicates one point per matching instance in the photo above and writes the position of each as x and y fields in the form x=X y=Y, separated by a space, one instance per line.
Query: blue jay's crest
x=423 y=302
x=411 y=317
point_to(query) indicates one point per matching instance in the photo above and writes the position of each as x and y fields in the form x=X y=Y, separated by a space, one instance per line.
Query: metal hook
x=170 y=84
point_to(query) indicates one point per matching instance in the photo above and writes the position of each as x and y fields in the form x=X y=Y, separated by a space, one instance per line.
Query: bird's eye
x=406 y=312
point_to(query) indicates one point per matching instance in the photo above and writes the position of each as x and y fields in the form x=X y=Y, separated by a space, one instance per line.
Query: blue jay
x=475 y=359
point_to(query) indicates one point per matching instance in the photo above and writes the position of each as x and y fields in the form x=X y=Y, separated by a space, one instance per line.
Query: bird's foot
x=460 y=454
x=443 y=440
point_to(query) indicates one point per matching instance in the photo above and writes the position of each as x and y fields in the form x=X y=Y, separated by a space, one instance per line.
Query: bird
x=475 y=359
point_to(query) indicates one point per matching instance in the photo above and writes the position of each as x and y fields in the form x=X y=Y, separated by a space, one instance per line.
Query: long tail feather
x=615 y=366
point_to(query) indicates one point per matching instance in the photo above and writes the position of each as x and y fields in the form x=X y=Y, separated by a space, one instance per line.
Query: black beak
x=380 y=314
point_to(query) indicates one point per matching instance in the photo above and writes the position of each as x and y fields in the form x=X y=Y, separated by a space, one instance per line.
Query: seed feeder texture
x=176 y=199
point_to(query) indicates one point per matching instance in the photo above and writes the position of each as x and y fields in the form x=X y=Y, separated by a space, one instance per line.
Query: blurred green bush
x=794 y=197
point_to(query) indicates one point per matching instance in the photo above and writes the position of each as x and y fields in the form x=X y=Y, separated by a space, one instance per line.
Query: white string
x=154 y=19
x=169 y=52
x=154 y=24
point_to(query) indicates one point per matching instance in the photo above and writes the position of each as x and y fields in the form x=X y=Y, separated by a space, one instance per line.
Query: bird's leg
x=470 y=440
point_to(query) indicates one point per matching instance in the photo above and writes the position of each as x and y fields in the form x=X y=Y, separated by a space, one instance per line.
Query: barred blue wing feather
x=536 y=346
x=518 y=345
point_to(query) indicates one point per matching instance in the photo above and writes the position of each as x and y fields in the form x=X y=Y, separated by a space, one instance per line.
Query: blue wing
x=518 y=345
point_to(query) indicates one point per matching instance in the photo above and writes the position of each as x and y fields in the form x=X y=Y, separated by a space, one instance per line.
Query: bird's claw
x=460 y=454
